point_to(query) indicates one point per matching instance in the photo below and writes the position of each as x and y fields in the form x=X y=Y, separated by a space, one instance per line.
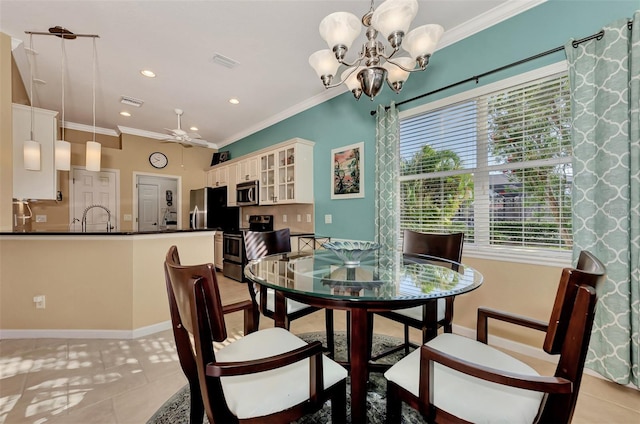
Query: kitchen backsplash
x=279 y=212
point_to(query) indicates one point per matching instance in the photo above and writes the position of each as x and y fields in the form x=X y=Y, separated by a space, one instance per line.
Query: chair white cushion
x=467 y=397
x=416 y=311
x=292 y=305
x=259 y=394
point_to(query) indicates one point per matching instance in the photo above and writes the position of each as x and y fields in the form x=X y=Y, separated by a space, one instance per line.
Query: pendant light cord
x=62 y=84
x=31 y=80
x=94 y=89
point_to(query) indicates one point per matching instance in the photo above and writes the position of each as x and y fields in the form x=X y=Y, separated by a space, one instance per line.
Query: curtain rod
x=597 y=36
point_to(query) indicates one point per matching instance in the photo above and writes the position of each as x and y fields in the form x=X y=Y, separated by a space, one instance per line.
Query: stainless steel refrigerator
x=208 y=209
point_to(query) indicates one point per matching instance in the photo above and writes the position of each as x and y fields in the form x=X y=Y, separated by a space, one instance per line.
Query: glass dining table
x=382 y=281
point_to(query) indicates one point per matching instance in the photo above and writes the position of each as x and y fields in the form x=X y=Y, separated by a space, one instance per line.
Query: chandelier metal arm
x=357 y=62
x=422 y=63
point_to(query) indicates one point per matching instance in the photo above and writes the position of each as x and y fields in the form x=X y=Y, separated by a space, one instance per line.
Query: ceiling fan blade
x=194 y=135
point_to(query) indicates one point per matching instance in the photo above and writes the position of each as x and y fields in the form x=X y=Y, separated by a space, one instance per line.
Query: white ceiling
x=271 y=40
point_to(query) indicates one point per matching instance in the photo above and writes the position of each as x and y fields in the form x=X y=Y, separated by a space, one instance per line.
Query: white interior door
x=148 y=200
x=94 y=188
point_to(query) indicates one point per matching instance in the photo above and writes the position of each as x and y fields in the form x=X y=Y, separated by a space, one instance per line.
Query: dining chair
x=446 y=246
x=268 y=375
x=456 y=379
x=184 y=346
x=258 y=244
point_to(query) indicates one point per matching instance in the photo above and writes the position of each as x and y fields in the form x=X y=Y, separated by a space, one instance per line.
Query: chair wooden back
x=569 y=331
x=589 y=271
x=446 y=246
x=258 y=244
x=197 y=300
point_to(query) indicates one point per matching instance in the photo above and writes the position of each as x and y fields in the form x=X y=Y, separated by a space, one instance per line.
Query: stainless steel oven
x=233 y=255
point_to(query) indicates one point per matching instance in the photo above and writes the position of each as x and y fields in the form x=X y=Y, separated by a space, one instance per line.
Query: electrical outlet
x=308 y=217
x=284 y=218
x=39 y=301
x=41 y=218
x=127 y=217
x=299 y=218
x=328 y=219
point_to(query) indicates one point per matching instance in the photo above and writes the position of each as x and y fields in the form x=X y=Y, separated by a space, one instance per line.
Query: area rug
x=176 y=409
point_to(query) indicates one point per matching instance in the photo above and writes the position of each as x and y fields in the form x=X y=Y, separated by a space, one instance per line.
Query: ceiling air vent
x=224 y=61
x=131 y=101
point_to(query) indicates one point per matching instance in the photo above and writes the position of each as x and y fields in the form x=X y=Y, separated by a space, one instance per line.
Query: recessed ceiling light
x=234 y=101
x=125 y=113
x=194 y=128
x=148 y=73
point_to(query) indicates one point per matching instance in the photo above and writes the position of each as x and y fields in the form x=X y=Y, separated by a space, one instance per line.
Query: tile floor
x=125 y=381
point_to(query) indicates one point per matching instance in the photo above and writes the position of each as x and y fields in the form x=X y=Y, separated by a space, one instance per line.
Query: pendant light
x=93 y=149
x=31 y=148
x=63 y=148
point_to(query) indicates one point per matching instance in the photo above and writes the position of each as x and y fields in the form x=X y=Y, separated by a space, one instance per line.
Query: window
x=495 y=164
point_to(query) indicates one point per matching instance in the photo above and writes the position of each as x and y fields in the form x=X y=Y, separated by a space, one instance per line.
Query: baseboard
x=85 y=334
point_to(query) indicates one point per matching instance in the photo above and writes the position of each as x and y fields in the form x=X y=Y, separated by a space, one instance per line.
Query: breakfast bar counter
x=95 y=284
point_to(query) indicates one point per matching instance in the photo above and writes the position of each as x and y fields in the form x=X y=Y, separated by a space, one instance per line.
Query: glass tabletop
x=381 y=275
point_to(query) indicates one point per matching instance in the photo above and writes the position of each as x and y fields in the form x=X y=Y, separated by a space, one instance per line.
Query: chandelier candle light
x=372 y=67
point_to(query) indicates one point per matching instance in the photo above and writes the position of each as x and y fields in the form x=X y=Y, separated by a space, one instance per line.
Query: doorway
x=89 y=188
x=156 y=202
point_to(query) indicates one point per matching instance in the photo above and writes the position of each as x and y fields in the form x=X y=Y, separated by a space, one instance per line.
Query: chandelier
x=372 y=67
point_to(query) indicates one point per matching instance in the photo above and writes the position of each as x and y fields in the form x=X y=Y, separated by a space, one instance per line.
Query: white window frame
x=502 y=253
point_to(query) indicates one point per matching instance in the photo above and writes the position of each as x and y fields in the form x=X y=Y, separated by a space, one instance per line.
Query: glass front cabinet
x=286 y=174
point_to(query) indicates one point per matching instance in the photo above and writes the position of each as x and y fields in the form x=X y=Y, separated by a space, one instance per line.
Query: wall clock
x=158 y=160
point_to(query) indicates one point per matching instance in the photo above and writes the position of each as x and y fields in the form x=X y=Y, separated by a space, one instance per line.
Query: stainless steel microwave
x=247 y=193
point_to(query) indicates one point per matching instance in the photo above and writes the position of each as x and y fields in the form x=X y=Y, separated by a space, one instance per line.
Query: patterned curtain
x=387 y=183
x=605 y=102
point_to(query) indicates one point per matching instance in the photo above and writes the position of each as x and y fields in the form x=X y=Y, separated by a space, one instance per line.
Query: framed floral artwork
x=347 y=170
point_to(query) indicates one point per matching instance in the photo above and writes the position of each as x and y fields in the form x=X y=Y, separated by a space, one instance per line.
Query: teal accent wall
x=342 y=120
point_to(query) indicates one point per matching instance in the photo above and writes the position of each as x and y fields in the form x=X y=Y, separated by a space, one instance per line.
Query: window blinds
x=497 y=167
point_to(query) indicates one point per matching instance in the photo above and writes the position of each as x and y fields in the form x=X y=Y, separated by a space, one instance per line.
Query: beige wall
x=6 y=141
x=90 y=282
x=515 y=287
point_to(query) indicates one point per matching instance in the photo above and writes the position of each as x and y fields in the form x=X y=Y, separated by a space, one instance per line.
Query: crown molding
x=90 y=129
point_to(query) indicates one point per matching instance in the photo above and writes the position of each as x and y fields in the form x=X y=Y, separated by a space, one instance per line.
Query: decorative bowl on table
x=351 y=252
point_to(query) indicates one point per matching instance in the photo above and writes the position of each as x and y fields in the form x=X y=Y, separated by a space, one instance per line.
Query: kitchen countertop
x=101 y=233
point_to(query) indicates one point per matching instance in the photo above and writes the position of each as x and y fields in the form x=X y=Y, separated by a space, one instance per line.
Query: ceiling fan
x=187 y=139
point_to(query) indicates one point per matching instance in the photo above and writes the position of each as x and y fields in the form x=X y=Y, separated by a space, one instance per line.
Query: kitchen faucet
x=84 y=217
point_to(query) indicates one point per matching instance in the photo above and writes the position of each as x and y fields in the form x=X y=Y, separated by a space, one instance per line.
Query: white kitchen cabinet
x=248 y=169
x=217 y=249
x=286 y=173
x=42 y=184
x=232 y=182
x=218 y=176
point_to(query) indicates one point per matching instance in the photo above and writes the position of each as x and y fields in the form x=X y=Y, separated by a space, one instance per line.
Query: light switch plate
x=299 y=218
x=284 y=218
x=41 y=218
x=127 y=217
x=328 y=219
x=308 y=217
